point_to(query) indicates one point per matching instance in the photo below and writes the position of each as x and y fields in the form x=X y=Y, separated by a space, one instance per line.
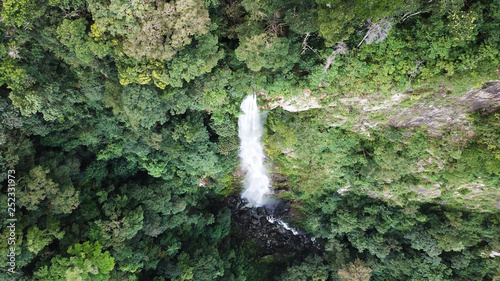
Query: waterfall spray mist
x=252 y=155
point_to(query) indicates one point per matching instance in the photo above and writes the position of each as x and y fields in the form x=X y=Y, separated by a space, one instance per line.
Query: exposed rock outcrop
x=450 y=113
x=299 y=103
x=441 y=112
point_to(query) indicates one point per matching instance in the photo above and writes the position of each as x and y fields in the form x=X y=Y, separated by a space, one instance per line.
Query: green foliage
x=330 y=168
x=151 y=30
x=186 y=66
x=120 y=119
x=336 y=25
x=86 y=262
x=37 y=239
x=267 y=51
x=72 y=34
x=38 y=187
x=311 y=269
x=356 y=271
x=21 y=13
x=140 y=106
x=488 y=130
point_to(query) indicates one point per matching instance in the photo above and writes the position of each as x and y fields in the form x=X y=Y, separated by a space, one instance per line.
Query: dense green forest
x=119 y=135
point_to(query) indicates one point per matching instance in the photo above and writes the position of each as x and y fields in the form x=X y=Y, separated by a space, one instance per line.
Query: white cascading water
x=252 y=155
x=283 y=224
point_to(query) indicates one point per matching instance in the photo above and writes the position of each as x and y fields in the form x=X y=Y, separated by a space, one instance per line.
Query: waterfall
x=256 y=185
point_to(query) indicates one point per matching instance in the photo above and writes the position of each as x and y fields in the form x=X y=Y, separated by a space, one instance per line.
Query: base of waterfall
x=270 y=228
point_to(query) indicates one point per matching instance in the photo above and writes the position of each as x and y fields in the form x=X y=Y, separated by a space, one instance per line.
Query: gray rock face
x=486 y=98
x=450 y=113
x=440 y=113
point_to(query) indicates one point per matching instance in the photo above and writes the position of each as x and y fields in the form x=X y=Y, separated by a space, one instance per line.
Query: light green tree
x=266 y=50
x=86 y=262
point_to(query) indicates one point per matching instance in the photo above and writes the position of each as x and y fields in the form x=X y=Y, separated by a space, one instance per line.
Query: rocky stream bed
x=268 y=227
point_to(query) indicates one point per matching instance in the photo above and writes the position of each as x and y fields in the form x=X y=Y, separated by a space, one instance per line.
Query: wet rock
x=261 y=211
x=281 y=210
x=245 y=217
x=271 y=237
x=263 y=222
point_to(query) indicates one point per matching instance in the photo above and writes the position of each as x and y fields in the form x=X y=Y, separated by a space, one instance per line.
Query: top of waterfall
x=249 y=104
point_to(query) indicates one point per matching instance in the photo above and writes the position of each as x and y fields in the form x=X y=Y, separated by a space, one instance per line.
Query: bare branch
x=415 y=70
x=407 y=16
x=275 y=25
x=363 y=40
x=472 y=63
x=340 y=49
x=305 y=46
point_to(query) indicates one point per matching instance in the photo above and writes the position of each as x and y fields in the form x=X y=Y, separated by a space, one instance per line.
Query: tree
x=338 y=19
x=16 y=148
x=38 y=186
x=205 y=264
x=21 y=13
x=72 y=34
x=266 y=50
x=86 y=262
x=422 y=240
x=152 y=30
x=311 y=269
x=355 y=271
x=140 y=106
x=37 y=239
